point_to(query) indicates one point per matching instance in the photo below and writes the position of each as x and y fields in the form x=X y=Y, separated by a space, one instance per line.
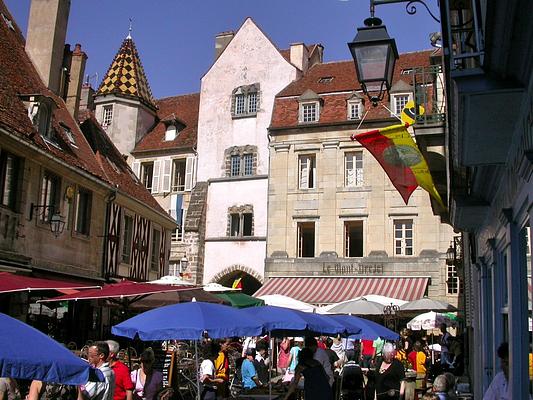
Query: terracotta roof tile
x=340 y=82
x=114 y=166
x=183 y=108
x=19 y=77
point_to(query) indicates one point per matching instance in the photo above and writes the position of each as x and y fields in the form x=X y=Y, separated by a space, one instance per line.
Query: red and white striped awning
x=329 y=290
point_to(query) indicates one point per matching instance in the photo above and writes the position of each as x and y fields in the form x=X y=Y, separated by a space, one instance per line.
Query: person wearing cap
x=293 y=359
x=250 y=379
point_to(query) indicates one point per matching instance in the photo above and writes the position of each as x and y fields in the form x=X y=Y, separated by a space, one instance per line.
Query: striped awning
x=328 y=290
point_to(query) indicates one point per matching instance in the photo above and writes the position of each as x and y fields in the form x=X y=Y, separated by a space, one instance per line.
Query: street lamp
x=56 y=225
x=450 y=255
x=375 y=54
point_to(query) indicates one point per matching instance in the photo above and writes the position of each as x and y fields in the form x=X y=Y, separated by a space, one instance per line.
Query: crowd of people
x=321 y=368
x=118 y=382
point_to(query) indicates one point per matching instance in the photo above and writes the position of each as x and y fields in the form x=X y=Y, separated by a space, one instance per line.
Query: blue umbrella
x=29 y=354
x=286 y=321
x=189 y=321
x=369 y=329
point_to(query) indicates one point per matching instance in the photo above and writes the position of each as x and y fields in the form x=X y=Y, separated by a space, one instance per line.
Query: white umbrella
x=384 y=300
x=172 y=280
x=217 y=287
x=427 y=304
x=280 y=300
x=430 y=320
x=360 y=306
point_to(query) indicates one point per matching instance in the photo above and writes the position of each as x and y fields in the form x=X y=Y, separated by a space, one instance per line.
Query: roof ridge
x=177 y=95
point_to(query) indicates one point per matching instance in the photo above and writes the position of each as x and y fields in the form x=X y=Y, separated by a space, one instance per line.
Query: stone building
x=337 y=228
x=70 y=205
x=158 y=138
x=236 y=99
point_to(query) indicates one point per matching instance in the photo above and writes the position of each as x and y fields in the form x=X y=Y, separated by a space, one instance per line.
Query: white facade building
x=236 y=99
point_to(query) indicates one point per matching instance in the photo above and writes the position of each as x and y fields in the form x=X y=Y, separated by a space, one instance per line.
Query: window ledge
x=238 y=178
x=240 y=116
x=81 y=236
x=354 y=189
x=237 y=239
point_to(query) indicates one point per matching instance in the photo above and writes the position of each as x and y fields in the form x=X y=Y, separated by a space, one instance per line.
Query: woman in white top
x=208 y=380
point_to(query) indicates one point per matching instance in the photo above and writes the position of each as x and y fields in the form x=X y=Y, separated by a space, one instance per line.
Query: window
x=83 y=211
x=353 y=169
x=178 y=177
x=107 y=115
x=398 y=102
x=241 y=161
x=245 y=101
x=325 y=79
x=403 y=237
x=309 y=112
x=355 y=109
x=307 y=171
x=171 y=132
x=50 y=195
x=241 y=224
x=45 y=116
x=452 y=282
x=242 y=165
x=147 y=174
x=127 y=239
x=9 y=179
x=306 y=239
x=156 y=242
x=353 y=239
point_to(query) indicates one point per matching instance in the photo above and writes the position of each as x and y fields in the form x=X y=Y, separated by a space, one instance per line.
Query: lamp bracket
x=38 y=210
x=410 y=7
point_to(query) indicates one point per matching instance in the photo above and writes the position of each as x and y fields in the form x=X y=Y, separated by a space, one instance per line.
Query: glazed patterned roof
x=126 y=76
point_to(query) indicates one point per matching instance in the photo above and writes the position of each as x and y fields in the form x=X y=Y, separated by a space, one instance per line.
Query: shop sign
x=351 y=268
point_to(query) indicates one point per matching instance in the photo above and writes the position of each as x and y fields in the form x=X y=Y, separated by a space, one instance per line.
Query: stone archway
x=251 y=281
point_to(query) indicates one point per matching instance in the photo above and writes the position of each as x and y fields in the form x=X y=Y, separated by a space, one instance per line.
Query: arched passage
x=250 y=281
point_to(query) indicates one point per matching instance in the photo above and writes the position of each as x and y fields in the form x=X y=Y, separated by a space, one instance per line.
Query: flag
x=237 y=284
x=397 y=153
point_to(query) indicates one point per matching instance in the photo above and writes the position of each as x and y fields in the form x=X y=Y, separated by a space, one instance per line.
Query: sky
x=176 y=38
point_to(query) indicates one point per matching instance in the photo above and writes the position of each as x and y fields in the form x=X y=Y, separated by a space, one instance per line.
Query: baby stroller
x=351 y=382
x=235 y=384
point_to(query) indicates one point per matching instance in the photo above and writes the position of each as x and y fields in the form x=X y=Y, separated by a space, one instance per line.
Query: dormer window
x=40 y=109
x=355 y=109
x=309 y=109
x=171 y=132
x=400 y=94
x=245 y=101
x=355 y=106
x=68 y=134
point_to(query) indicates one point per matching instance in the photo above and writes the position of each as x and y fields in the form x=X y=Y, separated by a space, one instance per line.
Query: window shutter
x=172 y=209
x=304 y=172
x=189 y=173
x=167 y=170
x=155 y=176
x=136 y=167
x=312 y=183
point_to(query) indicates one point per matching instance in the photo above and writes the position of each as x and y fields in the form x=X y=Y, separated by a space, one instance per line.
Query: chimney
x=299 y=56
x=221 y=42
x=77 y=69
x=317 y=55
x=45 y=39
x=87 y=97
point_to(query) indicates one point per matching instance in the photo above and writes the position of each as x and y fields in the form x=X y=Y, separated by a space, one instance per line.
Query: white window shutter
x=189 y=173
x=136 y=168
x=313 y=170
x=167 y=171
x=155 y=177
x=304 y=172
x=173 y=206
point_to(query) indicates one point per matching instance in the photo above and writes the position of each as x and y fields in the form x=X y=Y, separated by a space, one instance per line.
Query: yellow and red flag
x=237 y=284
x=396 y=151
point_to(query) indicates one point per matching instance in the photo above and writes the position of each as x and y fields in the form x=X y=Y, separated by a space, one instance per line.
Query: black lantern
x=56 y=225
x=450 y=255
x=374 y=54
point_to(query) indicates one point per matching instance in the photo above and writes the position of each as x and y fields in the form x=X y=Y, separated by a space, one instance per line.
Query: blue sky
x=175 y=38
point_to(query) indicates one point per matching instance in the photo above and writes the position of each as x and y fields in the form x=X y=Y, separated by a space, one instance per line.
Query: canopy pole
x=197 y=369
x=270 y=364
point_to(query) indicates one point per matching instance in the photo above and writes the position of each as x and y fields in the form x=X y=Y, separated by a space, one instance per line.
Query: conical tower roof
x=126 y=76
